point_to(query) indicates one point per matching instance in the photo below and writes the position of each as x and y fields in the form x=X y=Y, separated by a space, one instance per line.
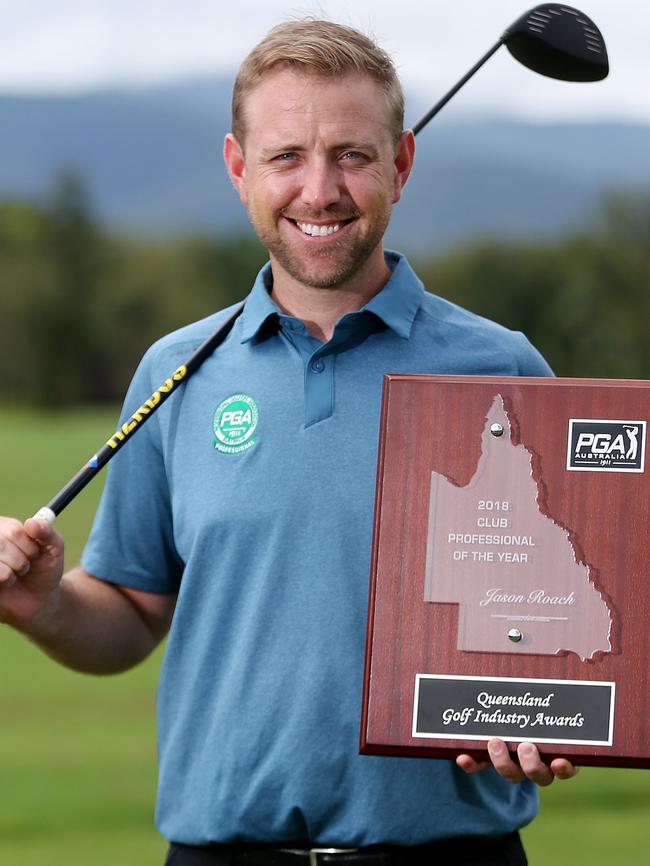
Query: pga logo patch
x=606 y=446
x=234 y=424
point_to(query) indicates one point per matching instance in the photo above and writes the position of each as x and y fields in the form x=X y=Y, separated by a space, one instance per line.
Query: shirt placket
x=319 y=359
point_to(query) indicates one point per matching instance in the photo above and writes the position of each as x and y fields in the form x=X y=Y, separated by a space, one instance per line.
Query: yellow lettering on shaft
x=167 y=387
x=141 y=412
x=115 y=439
x=147 y=407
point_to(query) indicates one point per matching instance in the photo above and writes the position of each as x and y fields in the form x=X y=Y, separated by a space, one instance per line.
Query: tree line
x=79 y=304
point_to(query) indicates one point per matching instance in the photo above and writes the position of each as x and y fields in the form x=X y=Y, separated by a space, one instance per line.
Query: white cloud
x=81 y=44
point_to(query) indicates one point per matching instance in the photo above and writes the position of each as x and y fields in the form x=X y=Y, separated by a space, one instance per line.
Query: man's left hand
x=530 y=764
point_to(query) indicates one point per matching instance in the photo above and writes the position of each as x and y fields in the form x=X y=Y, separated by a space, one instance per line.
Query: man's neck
x=320 y=308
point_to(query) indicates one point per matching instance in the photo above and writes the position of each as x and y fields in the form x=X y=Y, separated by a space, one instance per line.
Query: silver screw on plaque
x=496 y=430
x=515 y=635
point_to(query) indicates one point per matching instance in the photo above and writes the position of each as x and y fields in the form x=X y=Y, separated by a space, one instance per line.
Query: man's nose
x=321 y=185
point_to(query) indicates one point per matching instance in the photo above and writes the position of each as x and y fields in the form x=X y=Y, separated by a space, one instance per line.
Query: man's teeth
x=317 y=231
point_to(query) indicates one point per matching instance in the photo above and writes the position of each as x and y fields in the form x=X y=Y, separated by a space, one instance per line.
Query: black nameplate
x=542 y=711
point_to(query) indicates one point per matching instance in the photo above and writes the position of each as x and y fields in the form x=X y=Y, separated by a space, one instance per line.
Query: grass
x=77 y=753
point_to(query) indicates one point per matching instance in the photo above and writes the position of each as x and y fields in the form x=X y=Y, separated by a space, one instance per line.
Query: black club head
x=560 y=42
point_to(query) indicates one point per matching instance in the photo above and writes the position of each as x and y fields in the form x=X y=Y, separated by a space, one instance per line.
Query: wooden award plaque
x=510 y=585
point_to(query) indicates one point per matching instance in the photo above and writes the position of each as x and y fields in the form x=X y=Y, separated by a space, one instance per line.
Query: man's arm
x=85 y=623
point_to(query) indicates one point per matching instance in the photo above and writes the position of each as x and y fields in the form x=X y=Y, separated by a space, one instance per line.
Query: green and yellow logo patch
x=234 y=424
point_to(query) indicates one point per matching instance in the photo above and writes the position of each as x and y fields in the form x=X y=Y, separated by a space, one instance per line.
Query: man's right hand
x=31 y=566
x=85 y=623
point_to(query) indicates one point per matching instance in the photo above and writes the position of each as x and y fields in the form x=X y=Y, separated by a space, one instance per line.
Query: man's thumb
x=45 y=534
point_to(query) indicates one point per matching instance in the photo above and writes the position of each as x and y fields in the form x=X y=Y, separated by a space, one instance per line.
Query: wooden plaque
x=510 y=585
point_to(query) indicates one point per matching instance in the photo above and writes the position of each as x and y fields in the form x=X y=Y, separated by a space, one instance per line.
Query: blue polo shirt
x=250 y=494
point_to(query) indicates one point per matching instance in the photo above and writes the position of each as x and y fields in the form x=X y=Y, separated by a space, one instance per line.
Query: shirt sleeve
x=132 y=539
x=529 y=360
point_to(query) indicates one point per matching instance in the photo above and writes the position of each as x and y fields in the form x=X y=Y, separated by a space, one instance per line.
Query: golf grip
x=122 y=435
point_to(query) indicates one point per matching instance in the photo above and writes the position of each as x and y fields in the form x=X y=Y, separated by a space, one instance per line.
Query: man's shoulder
x=450 y=315
x=175 y=348
x=466 y=331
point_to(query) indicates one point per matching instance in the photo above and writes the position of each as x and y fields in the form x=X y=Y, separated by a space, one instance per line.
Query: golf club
x=122 y=435
x=552 y=39
x=555 y=40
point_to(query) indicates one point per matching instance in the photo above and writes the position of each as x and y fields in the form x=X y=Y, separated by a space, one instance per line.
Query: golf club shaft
x=454 y=90
x=122 y=435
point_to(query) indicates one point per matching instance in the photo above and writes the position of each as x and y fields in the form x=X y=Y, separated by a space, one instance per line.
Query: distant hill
x=151 y=158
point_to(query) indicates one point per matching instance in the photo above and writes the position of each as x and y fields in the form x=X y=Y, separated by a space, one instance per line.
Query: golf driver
x=555 y=40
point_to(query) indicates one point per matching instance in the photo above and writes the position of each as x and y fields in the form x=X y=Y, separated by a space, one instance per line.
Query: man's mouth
x=320 y=230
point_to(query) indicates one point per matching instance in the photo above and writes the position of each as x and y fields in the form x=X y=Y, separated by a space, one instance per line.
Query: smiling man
x=239 y=520
x=319 y=161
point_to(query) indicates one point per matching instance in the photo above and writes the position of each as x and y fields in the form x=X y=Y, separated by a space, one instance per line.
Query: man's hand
x=530 y=764
x=31 y=566
x=87 y=624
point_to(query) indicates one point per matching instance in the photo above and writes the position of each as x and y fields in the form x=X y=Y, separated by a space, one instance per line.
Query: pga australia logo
x=606 y=446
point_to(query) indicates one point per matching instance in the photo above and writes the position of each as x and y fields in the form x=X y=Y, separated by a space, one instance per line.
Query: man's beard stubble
x=348 y=255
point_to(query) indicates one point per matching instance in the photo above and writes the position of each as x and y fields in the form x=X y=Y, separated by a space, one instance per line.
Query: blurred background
x=529 y=203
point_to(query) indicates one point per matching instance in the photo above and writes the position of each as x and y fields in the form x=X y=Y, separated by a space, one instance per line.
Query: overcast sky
x=63 y=45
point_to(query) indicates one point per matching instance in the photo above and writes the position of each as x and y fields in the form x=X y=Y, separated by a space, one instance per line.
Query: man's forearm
x=94 y=626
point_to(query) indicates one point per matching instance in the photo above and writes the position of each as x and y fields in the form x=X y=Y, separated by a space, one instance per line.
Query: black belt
x=461 y=850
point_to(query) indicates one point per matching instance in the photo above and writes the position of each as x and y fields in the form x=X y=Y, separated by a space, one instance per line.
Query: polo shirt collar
x=396 y=304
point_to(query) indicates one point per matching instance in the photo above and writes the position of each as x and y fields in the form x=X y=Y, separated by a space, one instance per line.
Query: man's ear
x=403 y=162
x=233 y=155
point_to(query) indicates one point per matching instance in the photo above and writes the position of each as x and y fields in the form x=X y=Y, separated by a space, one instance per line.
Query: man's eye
x=285 y=157
x=352 y=154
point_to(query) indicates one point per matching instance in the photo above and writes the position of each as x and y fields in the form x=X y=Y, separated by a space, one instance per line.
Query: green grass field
x=77 y=753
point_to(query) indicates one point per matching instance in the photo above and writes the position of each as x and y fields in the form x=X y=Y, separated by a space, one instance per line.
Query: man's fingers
x=44 y=535
x=469 y=765
x=12 y=560
x=503 y=763
x=12 y=533
x=563 y=769
x=532 y=765
x=16 y=551
x=23 y=545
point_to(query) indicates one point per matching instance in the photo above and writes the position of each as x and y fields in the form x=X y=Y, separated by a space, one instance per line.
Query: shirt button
x=317 y=366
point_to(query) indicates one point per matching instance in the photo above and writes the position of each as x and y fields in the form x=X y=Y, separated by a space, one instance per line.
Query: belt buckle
x=314 y=852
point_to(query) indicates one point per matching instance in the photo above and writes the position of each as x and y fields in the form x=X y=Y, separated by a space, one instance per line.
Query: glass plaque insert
x=515 y=573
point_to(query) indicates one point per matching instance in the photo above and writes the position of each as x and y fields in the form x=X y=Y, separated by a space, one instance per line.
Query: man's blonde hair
x=319 y=48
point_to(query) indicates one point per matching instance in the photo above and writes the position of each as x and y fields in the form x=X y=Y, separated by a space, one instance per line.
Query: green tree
x=584 y=301
x=79 y=304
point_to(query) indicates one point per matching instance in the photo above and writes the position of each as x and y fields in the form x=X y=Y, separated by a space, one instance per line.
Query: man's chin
x=322 y=279
x=323 y=272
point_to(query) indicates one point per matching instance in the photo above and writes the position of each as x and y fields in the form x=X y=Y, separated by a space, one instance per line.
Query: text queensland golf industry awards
x=548 y=711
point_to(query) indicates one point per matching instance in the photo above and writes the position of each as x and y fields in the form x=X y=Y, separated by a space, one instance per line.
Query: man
x=244 y=508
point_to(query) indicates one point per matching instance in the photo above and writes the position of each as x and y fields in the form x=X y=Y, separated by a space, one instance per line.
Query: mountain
x=151 y=158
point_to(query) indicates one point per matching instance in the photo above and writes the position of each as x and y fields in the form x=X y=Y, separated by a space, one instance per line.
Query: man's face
x=319 y=173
